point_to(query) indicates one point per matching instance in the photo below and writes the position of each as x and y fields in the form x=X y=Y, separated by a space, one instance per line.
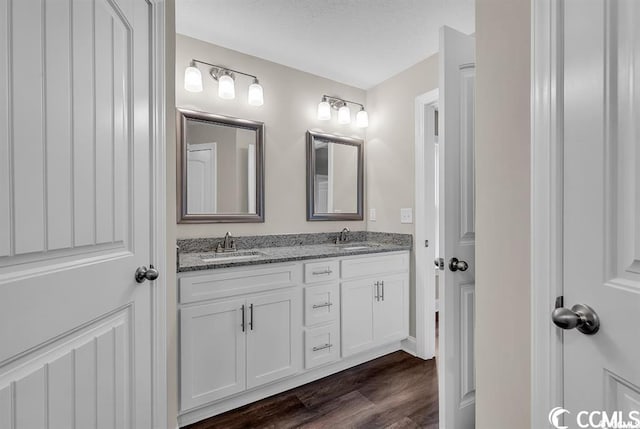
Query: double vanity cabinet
x=251 y=331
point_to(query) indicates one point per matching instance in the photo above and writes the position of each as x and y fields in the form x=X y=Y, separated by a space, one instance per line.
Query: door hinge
x=426 y=243
x=559 y=301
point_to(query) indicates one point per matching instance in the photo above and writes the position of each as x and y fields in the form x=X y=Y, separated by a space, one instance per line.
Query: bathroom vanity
x=263 y=320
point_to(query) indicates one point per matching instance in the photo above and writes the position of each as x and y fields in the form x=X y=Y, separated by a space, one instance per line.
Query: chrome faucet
x=343 y=236
x=228 y=245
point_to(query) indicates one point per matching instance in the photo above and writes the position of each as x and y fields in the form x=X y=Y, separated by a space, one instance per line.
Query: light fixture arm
x=336 y=102
x=217 y=70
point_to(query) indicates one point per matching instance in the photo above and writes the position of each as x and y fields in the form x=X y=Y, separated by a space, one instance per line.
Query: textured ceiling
x=357 y=42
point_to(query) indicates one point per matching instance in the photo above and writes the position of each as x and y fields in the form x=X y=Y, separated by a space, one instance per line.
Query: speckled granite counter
x=197 y=254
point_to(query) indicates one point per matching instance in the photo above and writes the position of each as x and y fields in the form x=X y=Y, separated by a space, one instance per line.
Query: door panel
x=391 y=312
x=357 y=302
x=274 y=337
x=74 y=211
x=212 y=357
x=601 y=219
x=457 y=227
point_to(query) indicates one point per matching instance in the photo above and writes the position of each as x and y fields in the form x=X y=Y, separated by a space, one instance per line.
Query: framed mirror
x=335 y=184
x=220 y=168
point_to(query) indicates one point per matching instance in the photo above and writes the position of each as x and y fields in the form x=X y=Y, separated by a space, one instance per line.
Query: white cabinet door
x=274 y=337
x=357 y=316
x=391 y=321
x=212 y=349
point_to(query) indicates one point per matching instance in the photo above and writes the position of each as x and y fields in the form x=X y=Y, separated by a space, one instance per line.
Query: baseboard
x=247 y=397
x=410 y=346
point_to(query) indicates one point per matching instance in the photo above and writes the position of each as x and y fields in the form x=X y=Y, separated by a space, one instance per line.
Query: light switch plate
x=372 y=215
x=406 y=215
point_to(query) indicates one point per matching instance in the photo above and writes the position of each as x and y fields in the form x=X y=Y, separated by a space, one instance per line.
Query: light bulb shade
x=226 y=87
x=324 y=111
x=362 y=119
x=193 y=79
x=344 y=115
x=256 y=96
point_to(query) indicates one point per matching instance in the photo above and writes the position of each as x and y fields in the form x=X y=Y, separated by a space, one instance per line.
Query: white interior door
x=601 y=227
x=202 y=180
x=457 y=229
x=75 y=327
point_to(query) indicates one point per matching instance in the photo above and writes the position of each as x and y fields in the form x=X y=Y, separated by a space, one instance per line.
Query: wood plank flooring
x=394 y=391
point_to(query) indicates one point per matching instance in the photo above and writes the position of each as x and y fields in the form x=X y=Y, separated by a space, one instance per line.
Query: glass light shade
x=362 y=119
x=344 y=115
x=324 y=111
x=226 y=87
x=256 y=96
x=193 y=79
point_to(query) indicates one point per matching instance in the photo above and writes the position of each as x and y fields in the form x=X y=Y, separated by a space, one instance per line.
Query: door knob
x=455 y=265
x=143 y=273
x=581 y=316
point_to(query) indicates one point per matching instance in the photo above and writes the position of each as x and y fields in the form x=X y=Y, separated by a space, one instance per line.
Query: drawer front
x=321 y=345
x=321 y=304
x=375 y=265
x=323 y=271
x=237 y=281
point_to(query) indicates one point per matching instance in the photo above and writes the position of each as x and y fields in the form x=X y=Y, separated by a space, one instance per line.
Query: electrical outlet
x=372 y=215
x=406 y=215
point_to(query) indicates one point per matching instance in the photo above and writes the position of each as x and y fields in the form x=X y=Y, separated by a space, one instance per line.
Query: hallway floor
x=394 y=391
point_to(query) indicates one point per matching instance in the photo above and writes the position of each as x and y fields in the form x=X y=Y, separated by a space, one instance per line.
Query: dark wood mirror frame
x=183 y=115
x=311 y=162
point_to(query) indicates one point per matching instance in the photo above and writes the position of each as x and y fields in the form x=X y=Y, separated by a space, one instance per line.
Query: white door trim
x=546 y=207
x=425 y=283
x=158 y=213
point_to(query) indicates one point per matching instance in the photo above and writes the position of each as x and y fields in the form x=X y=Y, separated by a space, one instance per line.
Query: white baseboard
x=410 y=346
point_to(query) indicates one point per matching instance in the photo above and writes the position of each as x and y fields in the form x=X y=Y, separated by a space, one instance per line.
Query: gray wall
x=289 y=110
x=502 y=222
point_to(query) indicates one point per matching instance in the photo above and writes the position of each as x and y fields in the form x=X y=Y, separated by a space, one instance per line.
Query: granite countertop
x=191 y=258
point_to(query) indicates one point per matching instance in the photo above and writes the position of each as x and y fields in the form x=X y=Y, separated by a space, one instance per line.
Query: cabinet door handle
x=377 y=285
x=251 y=317
x=317 y=273
x=326 y=304
x=383 y=290
x=243 y=318
x=322 y=347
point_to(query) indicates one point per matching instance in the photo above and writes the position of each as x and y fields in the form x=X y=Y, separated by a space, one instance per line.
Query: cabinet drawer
x=237 y=281
x=321 y=345
x=324 y=271
x=321 y=304
x=375 y=265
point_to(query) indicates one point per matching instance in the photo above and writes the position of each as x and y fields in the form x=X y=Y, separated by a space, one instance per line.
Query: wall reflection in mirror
x=334 y=177
x=222 y=168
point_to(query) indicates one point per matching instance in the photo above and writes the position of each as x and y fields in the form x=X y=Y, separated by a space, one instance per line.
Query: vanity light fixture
x=344 y=113
x=226 y=78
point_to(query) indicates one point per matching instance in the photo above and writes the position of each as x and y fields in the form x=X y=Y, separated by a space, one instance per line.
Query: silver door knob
x=581 y=316
x=456 y=265
x=143 y=273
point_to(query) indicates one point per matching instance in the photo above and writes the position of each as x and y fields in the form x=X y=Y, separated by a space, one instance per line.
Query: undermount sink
x=231 y=256
x=357 y=246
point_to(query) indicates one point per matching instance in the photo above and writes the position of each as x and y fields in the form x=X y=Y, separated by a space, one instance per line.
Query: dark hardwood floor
x=395 y=391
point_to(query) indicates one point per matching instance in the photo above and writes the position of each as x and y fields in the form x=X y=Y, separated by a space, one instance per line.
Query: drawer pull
x=326 y=304
x=319 y=273
x=322 y=347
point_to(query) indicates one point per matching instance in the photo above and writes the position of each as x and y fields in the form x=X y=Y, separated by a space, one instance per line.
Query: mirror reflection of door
x=336 y=178
x=201 y=177
x=221 y=176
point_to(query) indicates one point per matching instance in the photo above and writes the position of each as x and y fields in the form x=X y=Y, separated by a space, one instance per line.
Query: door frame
x=424 y=191
x=546 y=206
x=158 y=213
